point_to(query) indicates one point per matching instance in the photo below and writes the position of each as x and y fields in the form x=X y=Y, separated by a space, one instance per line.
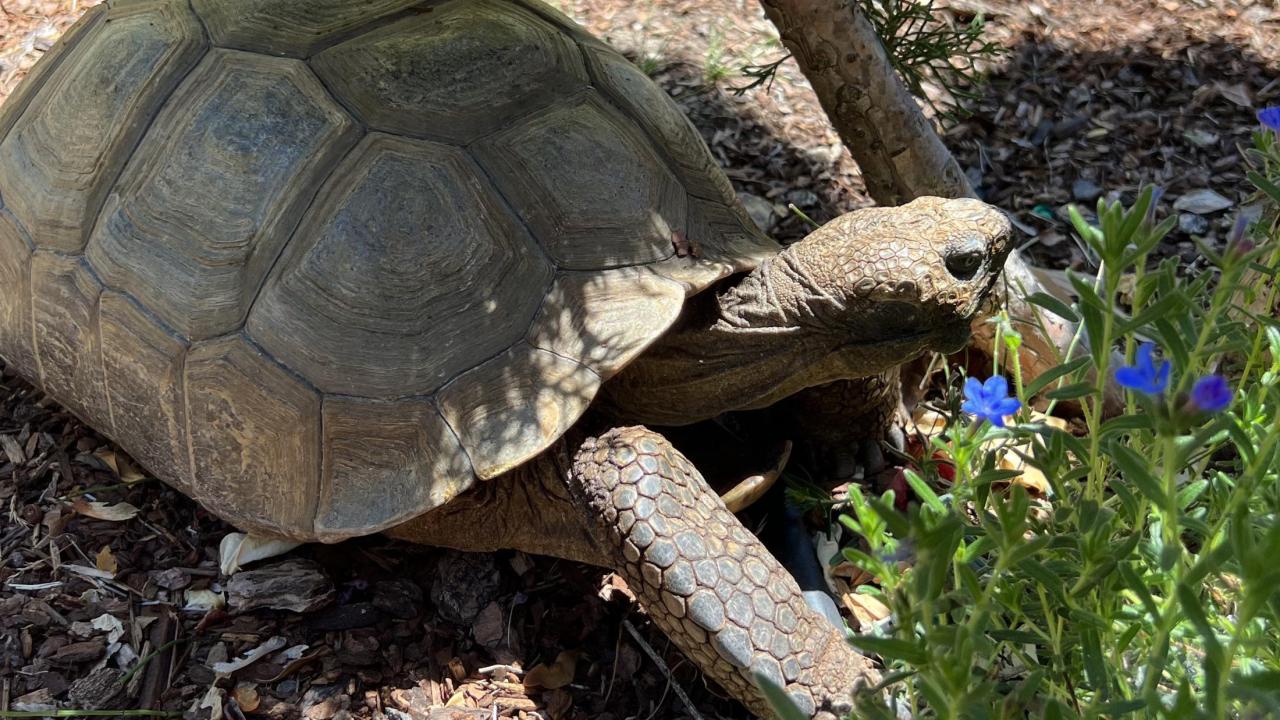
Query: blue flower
x=989 y=400
x=1145 y=377
x=1270 y=117
x=1211 y=394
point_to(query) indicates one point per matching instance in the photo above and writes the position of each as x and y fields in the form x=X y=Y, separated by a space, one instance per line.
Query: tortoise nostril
x=964 y=264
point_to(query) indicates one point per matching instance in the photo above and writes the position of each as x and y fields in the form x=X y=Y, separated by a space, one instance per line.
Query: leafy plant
x=1146 y=584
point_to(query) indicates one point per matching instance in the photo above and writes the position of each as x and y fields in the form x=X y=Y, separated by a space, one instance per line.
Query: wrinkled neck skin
x=747 y=345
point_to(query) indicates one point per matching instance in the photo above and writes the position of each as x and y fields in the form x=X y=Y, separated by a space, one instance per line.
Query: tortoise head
x=905 y=280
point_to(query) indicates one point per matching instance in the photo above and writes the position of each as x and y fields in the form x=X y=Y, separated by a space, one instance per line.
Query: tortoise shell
x=323 y=265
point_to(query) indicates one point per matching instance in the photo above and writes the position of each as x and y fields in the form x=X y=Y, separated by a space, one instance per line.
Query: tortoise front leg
x=706 y=580
x=839 y=425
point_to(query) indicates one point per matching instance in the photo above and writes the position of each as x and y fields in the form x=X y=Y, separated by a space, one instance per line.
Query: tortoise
x=432 y=268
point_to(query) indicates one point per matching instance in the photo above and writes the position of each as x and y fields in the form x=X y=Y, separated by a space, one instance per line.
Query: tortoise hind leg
x=706 y=580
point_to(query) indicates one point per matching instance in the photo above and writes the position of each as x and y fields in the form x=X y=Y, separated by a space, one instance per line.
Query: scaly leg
x=841 y=424
x=706 y=580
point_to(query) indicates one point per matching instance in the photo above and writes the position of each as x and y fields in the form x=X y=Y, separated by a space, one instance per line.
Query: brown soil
x=1111 y=93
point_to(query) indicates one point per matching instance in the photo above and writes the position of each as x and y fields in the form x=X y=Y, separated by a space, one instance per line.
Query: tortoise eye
x=964 y=264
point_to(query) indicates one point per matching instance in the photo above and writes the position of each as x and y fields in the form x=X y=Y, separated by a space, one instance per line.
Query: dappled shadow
x=1057 y=124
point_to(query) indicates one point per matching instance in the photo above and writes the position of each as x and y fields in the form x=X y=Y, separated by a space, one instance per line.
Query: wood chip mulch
x=101 y=566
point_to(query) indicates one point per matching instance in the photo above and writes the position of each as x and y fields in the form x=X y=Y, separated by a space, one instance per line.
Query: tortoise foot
x=706 y=580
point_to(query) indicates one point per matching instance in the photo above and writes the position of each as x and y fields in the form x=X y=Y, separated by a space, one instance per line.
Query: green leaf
x=782 y=705
x=1054 y=305
x=1071 y=392
x=1194 y=610
x=1188 y=494
x=1095 y=667
x=1127 y=423
x=1025 y=550
x=1016 y=636
x=1265 y=186
x=1136 y=469
x=1120 y=707
x=1041 y=382
x=924 y=492
x=1139 y=588
x=893 y=648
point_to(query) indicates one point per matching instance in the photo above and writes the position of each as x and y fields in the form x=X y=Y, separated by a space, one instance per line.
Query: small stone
x=399 y=598
x=1202 y=202
x=760 y=210
x=1085 y=190
x=1192 y=224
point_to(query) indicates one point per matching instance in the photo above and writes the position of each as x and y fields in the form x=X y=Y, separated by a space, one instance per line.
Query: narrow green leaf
x=1070 y=392
x=924 y=492
x=1095 y=667
x=1136 y=469
x=1194 y=611
x=1120 y=707
x=1054 y=305
x=1042 y=381
x=1127 y=423
x=893 y=648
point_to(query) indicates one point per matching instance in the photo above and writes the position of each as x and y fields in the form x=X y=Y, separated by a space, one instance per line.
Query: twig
x=149 y=657
x=662 y=666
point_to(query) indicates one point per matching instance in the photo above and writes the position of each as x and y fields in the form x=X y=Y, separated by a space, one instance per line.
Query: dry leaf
x=270 y=646
x=106 y=562
x=559 y=704
x=118 y=512
x=237 y=550
x=129 y=472
x=212 y=700
x=108 y=457
x=867 y=610
x=109 y=624
x=86 y=571
x=555 y=675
